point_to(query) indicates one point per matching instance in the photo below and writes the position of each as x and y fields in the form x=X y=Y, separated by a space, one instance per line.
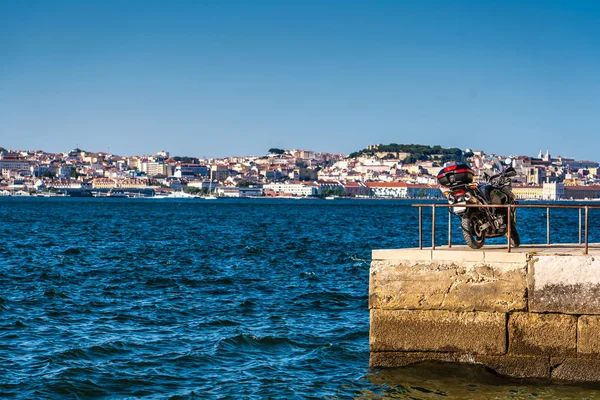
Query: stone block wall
x=525 y=314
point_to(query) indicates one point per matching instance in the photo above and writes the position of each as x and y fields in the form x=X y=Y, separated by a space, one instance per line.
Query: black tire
x=473 y=241
x=515 y=240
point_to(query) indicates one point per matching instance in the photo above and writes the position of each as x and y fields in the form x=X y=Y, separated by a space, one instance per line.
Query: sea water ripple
x=134 y=298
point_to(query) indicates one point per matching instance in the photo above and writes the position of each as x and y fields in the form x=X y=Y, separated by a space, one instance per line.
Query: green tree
x=186 y=159
x=192 y=190
x=277 y=151
x=336 y=191
x=418 y=151
x=410 y=159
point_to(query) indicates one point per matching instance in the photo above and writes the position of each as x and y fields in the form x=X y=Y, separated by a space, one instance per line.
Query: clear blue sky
x=217 y=78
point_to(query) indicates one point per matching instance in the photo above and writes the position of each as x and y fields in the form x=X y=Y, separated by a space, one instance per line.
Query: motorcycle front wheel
x=468 y=223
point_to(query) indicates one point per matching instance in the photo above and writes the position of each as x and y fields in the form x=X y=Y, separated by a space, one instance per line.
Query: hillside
x=411 y=153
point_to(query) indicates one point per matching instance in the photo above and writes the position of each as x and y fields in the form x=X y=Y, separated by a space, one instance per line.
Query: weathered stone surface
x=457 y=256
x=504 y=257
x=565 y=284
x=395 y=359
x=577 y=369
x=435 y=330
x=542 y=334
x=402 y=254
x=588 y=335
x=517 y=366
x=509 y=365
x=446 y=285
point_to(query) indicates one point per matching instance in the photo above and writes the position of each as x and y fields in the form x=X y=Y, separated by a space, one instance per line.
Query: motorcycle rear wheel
x=468 y=229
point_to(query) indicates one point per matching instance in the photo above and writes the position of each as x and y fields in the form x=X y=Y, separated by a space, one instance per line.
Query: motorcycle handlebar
x=506 y=173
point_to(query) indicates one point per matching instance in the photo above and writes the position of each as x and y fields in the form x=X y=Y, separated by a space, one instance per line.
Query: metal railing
x=510 y=207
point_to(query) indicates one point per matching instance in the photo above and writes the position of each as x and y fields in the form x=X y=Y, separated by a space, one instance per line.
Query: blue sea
x=223 y=299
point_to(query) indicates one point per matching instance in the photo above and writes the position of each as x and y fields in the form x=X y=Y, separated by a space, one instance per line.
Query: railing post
x=579 y=225
x=548 y=225
x=449 y=228
x=586 y=228
x=433 y=227
x=421 y=227
x=509 y=226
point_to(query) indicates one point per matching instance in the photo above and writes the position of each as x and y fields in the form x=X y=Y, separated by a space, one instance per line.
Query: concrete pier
x=531 y=313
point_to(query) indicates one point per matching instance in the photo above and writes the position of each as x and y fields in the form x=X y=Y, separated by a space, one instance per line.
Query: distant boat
x=79 y=193
x=175 y=195
x=136 y=195
x=120 y=195
x=210 y=196
x=330 y=197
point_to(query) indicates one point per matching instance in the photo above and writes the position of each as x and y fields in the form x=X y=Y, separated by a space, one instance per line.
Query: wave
x=51 y=292
x=73 y=251
x=249 y=340
x=329 y=298
x=309 y=275
x=253 y=250
x=71 y=388
x=92 y=352
x=220 y=322
x=72 y=354
x=160 y=281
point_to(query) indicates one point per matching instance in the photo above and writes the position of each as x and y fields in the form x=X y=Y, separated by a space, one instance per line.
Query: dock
x=530 y=313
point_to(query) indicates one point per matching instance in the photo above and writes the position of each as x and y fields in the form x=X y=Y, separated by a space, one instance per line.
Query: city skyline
x=543 y=152
x=237 y=78
x=388 y=171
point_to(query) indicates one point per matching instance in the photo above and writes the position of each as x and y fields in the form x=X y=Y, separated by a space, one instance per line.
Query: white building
x=388 y=189
x=294 y=189
x=8 y=162
x=234 y=191
x=553 y=191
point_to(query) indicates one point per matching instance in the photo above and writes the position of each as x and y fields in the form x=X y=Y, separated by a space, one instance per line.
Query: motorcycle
x=479 y=223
